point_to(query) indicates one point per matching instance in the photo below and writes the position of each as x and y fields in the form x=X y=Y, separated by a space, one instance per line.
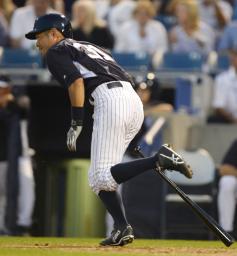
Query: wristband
x=77 y=116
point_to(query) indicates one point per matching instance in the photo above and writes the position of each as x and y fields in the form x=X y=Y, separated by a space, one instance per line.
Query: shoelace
x=176 y=160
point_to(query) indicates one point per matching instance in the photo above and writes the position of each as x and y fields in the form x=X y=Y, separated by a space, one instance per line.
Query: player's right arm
x=62 y=67
x=77 y=98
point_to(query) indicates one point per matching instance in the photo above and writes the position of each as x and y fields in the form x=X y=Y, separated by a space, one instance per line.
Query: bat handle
x=138 y=152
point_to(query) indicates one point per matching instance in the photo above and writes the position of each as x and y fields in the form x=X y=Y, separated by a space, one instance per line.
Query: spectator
x=190 y=34
x=7 y=7
x=5 y=93
x=19 y=3
x=162 y=7
x=5 y=97
x=142 y=33
x=102 y=8
x=87 y=27
x=3 y=30
x=215 y=13
x=225 y=93
x=119 y=12
x=58 y=5
x=14 y=163
x=227 y=193
x=68 y=6
x=231 y=2
x=22 y=20
x=228 y=39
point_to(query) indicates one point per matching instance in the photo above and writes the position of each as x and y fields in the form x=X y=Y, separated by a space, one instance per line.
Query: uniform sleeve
x=61 y=66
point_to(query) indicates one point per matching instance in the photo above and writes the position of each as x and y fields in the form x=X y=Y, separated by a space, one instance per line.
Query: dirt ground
x=127 y=250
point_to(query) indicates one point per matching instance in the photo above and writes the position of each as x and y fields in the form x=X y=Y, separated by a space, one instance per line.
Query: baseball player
x=88 y=71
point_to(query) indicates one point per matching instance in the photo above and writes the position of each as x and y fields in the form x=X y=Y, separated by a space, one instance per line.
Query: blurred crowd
x=130 y=26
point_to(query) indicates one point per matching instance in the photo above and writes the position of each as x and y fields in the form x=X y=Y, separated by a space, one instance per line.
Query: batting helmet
x=48 y=21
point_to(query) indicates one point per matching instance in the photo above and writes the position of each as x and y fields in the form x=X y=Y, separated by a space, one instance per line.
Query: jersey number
x=94 y=52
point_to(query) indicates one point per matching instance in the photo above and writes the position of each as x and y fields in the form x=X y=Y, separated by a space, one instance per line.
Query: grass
x=77 y=246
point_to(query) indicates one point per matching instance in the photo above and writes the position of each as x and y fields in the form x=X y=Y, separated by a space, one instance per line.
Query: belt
x=112 y=85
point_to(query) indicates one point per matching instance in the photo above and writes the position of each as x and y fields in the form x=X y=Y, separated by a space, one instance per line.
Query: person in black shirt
x=87 y=71
x=87 y=27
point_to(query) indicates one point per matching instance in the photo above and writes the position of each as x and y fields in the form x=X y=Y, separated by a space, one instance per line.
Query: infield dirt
x=79 y=247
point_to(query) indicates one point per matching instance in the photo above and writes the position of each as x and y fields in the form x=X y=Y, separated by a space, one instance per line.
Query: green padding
x=51 y=194
x=85 y=214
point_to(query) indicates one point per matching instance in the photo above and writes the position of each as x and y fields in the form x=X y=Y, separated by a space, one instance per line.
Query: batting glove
x=72 y=136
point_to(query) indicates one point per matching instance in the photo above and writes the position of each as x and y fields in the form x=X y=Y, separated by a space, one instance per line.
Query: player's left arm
x=77 y=98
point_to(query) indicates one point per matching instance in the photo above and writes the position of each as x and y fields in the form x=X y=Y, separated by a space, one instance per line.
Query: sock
x=125 y=171
x=113 y=204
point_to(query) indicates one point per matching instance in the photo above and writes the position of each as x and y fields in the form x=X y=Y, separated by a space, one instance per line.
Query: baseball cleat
x=168 y=159
x=119 y=237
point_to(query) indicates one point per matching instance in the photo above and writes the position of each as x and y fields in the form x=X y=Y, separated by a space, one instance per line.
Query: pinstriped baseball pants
x=118 y=116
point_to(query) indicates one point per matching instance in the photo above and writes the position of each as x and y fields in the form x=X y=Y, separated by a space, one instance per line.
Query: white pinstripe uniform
x=118 y=111
x=118 y=116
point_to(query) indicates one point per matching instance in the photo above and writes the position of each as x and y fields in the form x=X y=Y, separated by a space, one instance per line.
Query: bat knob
x=137 y=149
x=138 y=152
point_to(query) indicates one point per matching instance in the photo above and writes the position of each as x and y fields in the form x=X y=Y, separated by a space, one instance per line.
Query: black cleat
x=119 y=237
x=168 y=159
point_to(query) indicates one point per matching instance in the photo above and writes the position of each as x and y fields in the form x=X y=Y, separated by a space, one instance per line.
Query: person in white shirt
x=225 y=92
x=216 y=13
x=142 y=33
x=102 y=8
x=119 y=12
x=22 y=20
x=190 y=33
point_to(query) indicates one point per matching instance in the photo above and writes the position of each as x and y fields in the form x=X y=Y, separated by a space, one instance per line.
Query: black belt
x=112 y=85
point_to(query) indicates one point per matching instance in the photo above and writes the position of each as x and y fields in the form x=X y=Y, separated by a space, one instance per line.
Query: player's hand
x=72 y=136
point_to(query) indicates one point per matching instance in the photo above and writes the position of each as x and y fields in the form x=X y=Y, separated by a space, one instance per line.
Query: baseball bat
x=226 y=238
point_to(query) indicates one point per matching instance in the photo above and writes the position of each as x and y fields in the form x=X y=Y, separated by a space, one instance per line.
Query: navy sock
x=113 y=204
x=125 y=171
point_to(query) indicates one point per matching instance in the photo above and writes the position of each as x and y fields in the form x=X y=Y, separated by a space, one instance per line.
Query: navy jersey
x=69 y=60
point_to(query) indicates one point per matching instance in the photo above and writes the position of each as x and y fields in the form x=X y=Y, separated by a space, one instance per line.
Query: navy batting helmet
x=48 y=21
